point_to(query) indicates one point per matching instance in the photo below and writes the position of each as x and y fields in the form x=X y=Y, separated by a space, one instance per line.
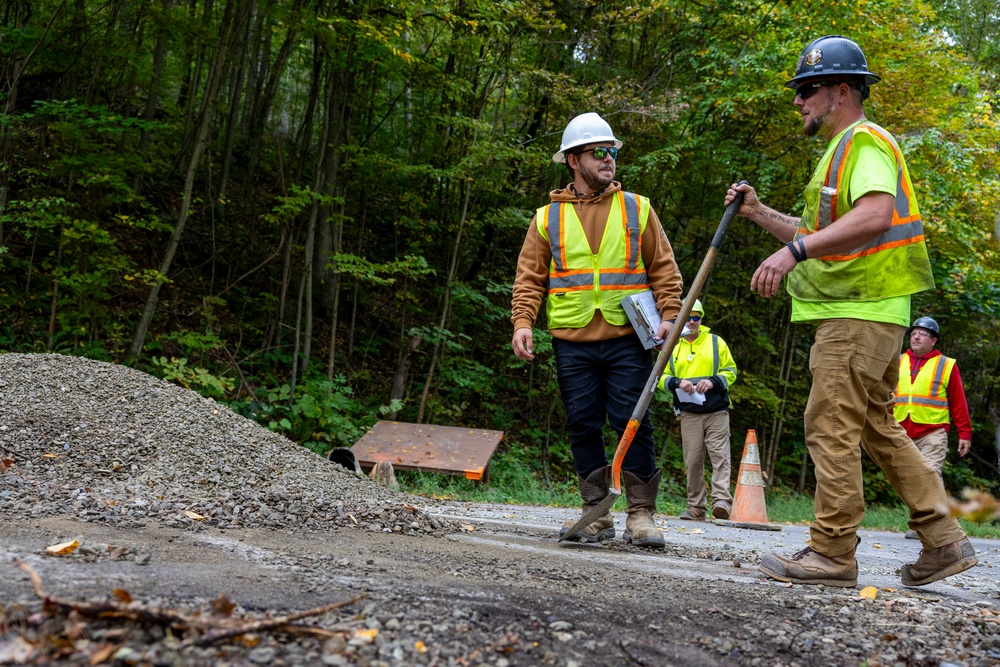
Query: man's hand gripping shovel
x=661 y=363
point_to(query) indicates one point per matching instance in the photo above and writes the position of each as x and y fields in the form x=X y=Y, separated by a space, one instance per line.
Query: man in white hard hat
x=589 y=247
x=853 y=259
x=699 y=374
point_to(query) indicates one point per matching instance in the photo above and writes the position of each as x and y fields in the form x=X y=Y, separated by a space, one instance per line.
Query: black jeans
x=602 y=380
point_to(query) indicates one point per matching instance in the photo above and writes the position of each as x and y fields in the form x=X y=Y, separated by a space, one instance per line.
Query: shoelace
x=801 y=554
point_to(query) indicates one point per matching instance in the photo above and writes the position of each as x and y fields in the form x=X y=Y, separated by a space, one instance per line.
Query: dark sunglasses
x=600 y=152
x=694 y=318
x=807 y=90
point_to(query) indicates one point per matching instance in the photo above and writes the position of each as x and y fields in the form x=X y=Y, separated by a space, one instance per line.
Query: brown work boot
x=593 y=489
x=692 y=514
x=811 y=567
x=721 y=510
x=939 y=563
x=639 y=527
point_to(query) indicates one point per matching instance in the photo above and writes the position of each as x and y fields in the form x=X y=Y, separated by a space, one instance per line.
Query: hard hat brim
x=797 y=81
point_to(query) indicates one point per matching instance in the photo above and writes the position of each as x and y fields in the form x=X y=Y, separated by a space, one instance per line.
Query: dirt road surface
x=199 y=537
x=500 y=590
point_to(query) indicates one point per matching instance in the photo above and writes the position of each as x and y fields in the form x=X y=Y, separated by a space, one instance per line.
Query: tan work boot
x=939 y=563
x=639 y=527
x=593 y=489
x=692 y=514
x=811 y=567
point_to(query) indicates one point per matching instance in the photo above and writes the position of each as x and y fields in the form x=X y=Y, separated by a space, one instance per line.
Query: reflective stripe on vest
x=564 y=279
x=906 y=228
x=924 y=400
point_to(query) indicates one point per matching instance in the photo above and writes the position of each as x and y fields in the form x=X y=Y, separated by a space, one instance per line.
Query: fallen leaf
x=697 y=531
x=869 y=592
x=889 y=590
x=5 y=464
x=122 y=594
x=17 y=651
x=63 y=548
x=102 y=654
x=221 y=606
x=193 y=515
x=876 y=546
x=366 y=634
x=978 y=506
x=419 y=647
x=50 y=456
x=468 y=527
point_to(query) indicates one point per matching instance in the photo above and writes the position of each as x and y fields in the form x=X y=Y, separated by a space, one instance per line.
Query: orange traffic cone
x=749 y=510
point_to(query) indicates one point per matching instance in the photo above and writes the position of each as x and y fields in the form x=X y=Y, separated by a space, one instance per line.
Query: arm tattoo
x=774 y=215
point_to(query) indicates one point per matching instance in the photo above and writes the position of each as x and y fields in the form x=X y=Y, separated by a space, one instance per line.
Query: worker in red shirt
x=930 y=397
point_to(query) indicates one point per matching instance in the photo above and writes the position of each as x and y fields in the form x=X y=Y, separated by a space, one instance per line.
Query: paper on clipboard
x=645 y=318
x=696 y=398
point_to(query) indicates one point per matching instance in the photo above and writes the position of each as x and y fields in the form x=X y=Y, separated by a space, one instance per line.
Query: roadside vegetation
x=311 y=212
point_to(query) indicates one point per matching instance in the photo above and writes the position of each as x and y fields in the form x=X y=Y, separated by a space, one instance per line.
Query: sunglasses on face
x=694 y=318
x=807 y=90
x=600 y=152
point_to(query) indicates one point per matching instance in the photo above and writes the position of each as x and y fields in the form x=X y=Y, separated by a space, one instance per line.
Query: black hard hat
x=927 y=323
x=832 y=55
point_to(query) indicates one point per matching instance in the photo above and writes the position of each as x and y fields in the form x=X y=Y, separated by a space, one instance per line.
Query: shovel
x=661 y=363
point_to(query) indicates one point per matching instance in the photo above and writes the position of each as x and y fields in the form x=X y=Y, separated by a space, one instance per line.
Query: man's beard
x=816 y=123
x=595 y=180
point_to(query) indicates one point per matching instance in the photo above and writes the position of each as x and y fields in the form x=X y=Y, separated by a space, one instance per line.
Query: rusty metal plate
x=460 y=451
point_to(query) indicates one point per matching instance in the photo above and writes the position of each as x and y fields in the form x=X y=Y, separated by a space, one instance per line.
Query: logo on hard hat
x=813 y=57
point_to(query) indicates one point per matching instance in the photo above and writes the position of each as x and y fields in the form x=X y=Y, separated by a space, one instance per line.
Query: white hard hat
x=587 y=128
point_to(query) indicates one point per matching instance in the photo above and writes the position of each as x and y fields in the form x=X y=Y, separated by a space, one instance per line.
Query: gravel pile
x=202 y=501
x=106 y=443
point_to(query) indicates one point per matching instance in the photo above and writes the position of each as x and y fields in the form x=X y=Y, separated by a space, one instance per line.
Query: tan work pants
x=855 y=368
x=934 y=447
x=706 y=434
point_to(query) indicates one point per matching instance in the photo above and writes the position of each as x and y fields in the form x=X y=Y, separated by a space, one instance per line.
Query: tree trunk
x=54 y=305
x=446 y=301
x=403 y=371
x=235 y=10
x=6 y=139
x=778 y=422
x=153 y=94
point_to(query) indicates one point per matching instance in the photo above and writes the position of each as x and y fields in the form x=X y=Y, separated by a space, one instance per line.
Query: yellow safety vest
x=894 y=264
x=925 y=400
x=581 y=282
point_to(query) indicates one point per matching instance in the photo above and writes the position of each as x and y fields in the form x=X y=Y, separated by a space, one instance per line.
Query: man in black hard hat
x=853 y=259
x=930 y=396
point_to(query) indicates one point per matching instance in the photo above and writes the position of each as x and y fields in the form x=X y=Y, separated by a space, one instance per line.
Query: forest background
x=311 y=210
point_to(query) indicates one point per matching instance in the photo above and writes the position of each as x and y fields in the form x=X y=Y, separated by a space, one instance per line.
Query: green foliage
x=389 y=140
x=191 y=377
x=320 y=414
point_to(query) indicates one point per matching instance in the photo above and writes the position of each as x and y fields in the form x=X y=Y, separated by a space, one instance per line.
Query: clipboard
x=645 y=318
